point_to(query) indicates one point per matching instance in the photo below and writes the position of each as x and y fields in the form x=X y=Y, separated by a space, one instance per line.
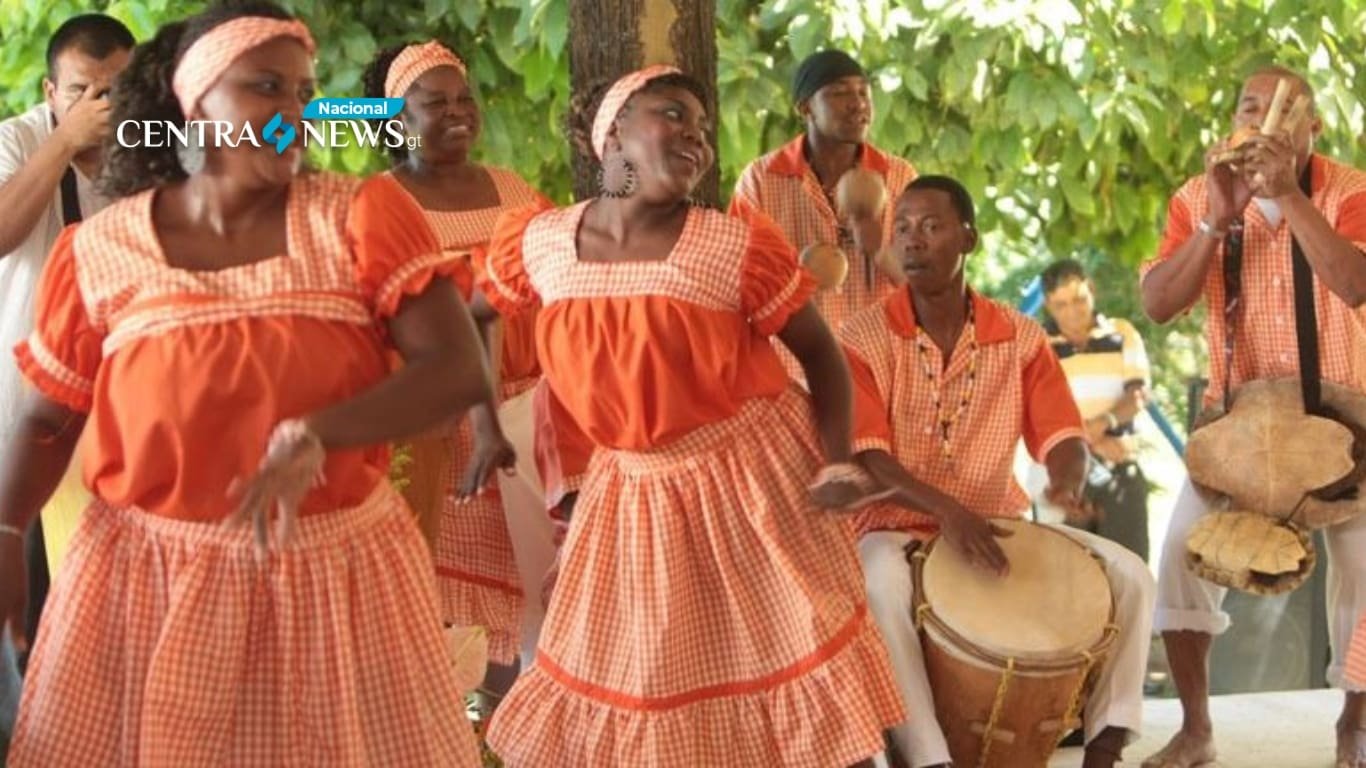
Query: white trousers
x=1187 y=602
x=1118 y=696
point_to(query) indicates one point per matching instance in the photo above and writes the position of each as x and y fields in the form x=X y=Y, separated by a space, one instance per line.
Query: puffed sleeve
x=396 y=253
x=62 y=356
x=773 y=286
x=503 y=279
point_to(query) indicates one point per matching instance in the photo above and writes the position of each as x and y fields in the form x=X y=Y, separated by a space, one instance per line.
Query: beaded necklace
x=926 y=349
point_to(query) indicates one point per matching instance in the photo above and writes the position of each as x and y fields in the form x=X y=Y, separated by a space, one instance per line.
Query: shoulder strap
x=71 y=202
x=1306 y=316
x=1233 y=294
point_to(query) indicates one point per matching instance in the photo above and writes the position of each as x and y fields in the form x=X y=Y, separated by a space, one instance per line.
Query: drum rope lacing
x=1074 y=705
x=996 y=707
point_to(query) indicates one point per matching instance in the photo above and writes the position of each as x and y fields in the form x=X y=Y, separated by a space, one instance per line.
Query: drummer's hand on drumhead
x=975 y=537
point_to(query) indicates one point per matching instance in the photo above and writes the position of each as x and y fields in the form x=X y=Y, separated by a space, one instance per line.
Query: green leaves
x=1072 y=121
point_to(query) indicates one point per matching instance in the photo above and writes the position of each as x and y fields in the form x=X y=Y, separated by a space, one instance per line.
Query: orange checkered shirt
x=782 y=185
x=1264 y=344
x=1020 y=392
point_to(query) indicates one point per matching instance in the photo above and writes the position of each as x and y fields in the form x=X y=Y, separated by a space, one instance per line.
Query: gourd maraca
x=860 y=193
x=827 y=264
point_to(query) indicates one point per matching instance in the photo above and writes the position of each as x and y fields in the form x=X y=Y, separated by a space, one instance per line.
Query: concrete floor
x=1291 y=729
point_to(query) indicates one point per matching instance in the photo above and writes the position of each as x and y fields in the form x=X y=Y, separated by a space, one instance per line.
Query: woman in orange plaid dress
x=476 y=571
x=707 y=612
x=223 y=328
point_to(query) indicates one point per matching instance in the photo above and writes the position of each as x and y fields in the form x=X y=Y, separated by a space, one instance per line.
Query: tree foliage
x=1072 y=122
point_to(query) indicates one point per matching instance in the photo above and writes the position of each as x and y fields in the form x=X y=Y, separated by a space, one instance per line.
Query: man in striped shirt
x=1107 y=371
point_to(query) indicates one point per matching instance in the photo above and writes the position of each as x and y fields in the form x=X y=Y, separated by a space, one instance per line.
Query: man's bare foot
x=1351 y=747
x=1185 y=750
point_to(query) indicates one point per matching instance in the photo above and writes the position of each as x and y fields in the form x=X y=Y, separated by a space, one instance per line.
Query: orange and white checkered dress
x=782 y=186
x=1265 y=344
x=164 y=642
x=705 y=612
x=1356 y=657
x=1020 y=391
x=476 y=574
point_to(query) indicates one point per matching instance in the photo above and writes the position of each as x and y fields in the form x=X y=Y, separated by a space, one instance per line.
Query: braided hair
x=142 y=93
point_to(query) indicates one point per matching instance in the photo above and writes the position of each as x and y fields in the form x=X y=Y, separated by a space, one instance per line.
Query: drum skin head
x=1055 y=601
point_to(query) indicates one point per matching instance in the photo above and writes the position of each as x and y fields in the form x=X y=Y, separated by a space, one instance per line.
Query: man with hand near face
x=50 y=157
x=1281 y=198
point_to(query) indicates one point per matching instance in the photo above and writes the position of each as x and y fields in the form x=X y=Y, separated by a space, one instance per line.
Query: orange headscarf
x=616 y=98
x=414 y=62
x=203 y=63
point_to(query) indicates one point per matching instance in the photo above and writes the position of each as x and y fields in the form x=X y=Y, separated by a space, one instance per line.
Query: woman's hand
x=492 y=451
x=845 y=487
x=292 y=466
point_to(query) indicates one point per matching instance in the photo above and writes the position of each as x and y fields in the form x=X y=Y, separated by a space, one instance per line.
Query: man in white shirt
x=49 y=157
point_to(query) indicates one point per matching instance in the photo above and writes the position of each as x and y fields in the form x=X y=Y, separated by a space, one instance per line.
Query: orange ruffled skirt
x=705 y=614
x=165 y=643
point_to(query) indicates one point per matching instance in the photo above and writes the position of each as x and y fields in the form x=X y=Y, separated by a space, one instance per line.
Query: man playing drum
x=1322 y=205
x=947 y=381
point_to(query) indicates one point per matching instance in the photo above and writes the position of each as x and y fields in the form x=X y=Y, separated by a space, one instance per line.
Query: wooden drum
x=1011 y=660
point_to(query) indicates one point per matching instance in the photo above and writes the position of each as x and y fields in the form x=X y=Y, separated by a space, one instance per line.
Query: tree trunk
x=609 y=38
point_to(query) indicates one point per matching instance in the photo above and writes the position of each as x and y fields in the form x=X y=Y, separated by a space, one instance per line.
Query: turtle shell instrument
x=1272 y=474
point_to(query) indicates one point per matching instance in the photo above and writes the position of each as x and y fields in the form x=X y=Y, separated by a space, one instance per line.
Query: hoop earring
x=617 y=177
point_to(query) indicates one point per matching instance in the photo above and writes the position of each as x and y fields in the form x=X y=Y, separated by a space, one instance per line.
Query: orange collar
x=994 y=326
x=791 y=159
